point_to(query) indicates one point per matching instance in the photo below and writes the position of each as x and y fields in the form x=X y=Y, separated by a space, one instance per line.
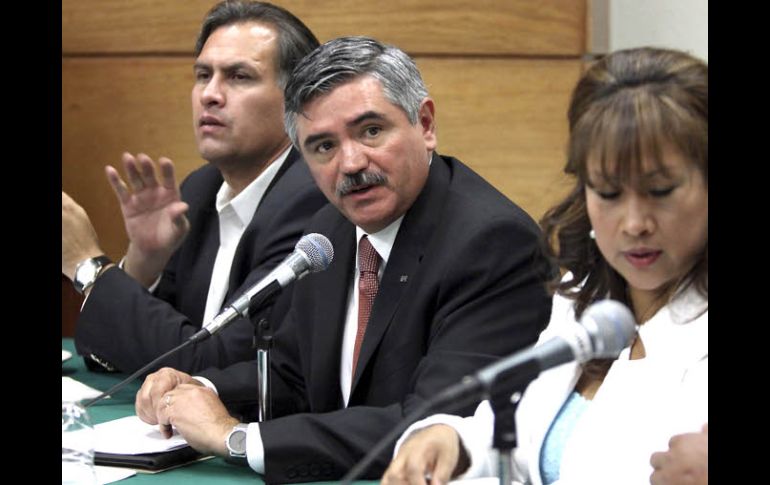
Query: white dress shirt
x=235 y=214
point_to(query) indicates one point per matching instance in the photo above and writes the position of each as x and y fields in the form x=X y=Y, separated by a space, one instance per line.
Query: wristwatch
x=236 y=442
x=87 y=271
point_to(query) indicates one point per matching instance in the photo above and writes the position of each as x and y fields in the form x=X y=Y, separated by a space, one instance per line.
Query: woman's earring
x=592 y=234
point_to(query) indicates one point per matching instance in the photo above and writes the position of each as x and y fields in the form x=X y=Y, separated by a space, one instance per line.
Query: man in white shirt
x=235 y=219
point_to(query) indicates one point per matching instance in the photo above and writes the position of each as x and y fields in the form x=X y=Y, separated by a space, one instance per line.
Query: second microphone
x=313 y=253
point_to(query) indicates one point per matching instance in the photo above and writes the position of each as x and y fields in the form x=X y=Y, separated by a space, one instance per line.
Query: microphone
x=604 y=330
x=313 y=253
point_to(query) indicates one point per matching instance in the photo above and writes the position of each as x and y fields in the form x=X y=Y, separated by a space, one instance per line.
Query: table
x=214 y=471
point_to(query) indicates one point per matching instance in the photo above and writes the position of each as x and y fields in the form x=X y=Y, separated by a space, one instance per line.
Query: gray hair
x=339 y=61
x=295 y=40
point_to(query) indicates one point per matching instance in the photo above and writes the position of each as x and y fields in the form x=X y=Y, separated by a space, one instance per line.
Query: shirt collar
x=382 y=240
x=246 y=202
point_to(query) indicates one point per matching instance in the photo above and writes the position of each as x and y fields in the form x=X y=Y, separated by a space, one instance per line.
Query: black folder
x=149 y=461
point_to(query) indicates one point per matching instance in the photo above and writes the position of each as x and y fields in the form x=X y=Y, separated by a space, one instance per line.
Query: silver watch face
x=236 y=442
x=86 y=273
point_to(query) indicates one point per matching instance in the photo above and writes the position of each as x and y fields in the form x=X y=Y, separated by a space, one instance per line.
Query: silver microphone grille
x=611 y=327
x=318 y=249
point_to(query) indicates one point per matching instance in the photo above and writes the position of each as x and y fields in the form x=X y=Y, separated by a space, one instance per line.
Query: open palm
x=153 y=213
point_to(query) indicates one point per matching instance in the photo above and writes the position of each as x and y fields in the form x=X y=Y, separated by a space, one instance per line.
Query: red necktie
x=368 y=265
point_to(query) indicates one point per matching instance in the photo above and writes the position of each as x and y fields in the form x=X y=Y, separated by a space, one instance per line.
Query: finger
x=177 y=212
x=676 y=440
x=167 y=177
x=657 y=459
x=442 y=472
x=118 y=186
x=655 y=478
x=162 y=408
x=164 y=416
x=147 y=171
x=143 y=404
x=416 y=469
x=395 y=474
x=178 y=209
x=132 y=173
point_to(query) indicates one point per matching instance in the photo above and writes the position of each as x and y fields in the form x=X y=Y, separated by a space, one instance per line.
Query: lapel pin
x=404 y=278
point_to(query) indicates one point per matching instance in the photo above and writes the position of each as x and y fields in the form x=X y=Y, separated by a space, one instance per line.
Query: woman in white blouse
x=634 y=229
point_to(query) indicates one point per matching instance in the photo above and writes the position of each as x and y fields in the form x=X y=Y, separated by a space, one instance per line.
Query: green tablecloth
x=213 y=471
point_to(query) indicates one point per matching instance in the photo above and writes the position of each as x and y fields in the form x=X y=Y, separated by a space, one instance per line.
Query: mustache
x=360 y=179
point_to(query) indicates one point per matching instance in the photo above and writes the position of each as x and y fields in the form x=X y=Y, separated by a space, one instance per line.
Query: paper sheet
x=132 y=436
x=72 y=390
x=109 y=474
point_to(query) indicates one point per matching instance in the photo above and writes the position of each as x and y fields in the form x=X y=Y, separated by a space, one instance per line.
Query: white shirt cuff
x=255 y=449
x=206 y=383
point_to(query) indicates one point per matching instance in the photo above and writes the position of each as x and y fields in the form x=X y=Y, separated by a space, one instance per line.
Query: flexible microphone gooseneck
x=605 y=329
x=312 y=253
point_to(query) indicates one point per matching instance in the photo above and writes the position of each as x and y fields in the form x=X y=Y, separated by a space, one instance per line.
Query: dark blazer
x=464 y=285
x=126 y=326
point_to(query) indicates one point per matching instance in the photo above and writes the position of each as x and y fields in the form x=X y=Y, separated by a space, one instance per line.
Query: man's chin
x=214 y=155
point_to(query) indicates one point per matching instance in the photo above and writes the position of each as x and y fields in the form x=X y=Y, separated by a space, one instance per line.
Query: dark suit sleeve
x=489 y=300
x=125 y=325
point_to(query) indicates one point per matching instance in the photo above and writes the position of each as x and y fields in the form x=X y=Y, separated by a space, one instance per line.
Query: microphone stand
x=511 y=385
x=264 y=341
x=504 y=440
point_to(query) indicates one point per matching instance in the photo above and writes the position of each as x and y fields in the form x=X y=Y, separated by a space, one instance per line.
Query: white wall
x=620 y=24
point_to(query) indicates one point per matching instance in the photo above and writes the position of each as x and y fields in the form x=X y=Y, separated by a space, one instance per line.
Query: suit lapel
x=408 y=249
x=195 y=260
x=331 y=308
x=246 y=247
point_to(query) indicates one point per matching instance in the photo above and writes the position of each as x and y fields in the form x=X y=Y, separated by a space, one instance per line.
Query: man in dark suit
x=459 y=284
x=237 y=218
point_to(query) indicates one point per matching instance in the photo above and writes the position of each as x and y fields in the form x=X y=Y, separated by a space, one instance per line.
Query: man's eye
x=324 y=147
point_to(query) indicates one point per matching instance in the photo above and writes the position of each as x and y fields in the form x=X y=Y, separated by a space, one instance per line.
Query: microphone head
x=611 y=327
x=318 y=249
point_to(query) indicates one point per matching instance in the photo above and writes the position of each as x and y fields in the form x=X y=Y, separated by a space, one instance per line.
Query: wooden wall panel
x=497 y=27
x=506 y=118
x=125 y=104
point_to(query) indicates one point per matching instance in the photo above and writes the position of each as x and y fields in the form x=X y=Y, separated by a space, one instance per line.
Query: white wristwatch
x=236 y=442
x=87 y=271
